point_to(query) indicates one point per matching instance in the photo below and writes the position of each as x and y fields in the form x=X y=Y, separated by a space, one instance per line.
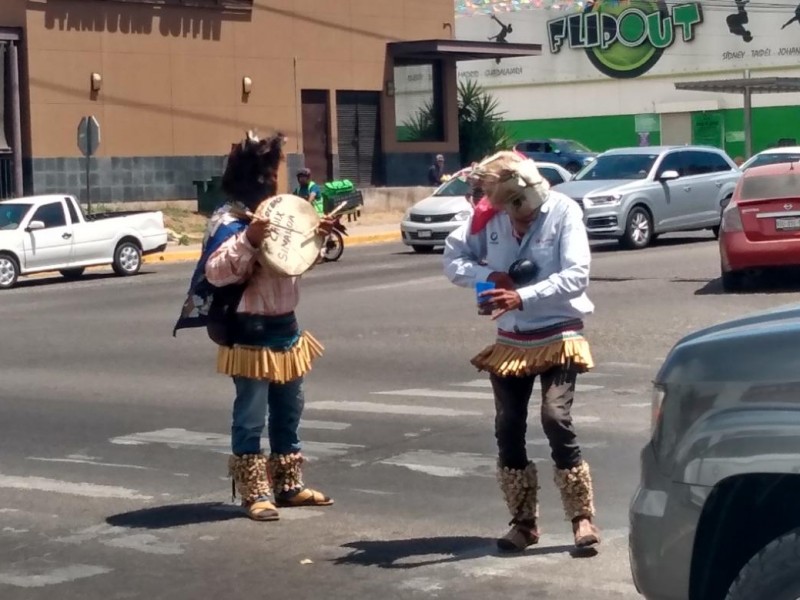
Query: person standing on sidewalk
x=249 y=313
x=531 y=244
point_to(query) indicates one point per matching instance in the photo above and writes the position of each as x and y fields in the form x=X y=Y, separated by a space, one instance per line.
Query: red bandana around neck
x=484 y=211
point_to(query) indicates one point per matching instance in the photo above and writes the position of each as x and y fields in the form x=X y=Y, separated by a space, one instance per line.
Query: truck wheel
x=638 y=230
x=772 y=574
x=127 y=259
x=72 y=273
x=9 y=271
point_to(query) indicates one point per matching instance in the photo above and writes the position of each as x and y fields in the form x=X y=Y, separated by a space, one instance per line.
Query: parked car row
x=633 y=195
x=426 y=225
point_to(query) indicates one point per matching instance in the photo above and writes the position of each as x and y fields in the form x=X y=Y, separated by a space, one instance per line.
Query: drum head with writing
x=292 y=244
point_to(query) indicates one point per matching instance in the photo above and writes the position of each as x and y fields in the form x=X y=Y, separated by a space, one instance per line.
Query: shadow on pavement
x=399 y=554
x=56 y=279
x=176 y=515
x=769 y=282
x=604 y=246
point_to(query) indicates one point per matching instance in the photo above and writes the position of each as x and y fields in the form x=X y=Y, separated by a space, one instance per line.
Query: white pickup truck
x=51 y=233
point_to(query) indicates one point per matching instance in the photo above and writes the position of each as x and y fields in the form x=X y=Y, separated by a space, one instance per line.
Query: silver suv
x=716 y=515
x=635 y=194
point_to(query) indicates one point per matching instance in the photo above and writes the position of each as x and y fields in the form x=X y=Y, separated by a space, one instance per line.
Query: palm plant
x=480 y=127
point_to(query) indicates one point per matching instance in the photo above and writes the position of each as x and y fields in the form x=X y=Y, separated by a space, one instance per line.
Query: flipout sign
x=625 y=42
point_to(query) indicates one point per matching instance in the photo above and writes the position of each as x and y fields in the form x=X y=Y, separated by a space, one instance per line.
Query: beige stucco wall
x=172 y=77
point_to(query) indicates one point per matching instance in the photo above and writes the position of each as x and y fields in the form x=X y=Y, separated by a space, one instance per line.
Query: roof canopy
x=426 y=50
x=756 y=85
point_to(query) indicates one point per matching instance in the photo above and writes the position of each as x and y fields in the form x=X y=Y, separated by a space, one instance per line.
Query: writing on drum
x=283 y=234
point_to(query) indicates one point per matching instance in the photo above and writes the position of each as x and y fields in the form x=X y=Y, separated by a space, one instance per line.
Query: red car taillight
x=731 y=218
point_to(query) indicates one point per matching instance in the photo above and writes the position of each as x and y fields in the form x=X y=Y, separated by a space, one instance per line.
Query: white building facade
x=607 y=73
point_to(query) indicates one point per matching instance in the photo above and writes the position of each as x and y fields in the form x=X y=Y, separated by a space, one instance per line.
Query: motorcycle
x=333 y=248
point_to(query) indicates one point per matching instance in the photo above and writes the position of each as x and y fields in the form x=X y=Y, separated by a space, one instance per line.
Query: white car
x=51 y=233
x=781 y=154
x=427 y=224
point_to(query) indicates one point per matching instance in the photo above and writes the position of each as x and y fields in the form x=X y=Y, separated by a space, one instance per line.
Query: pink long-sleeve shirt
x=235 y=261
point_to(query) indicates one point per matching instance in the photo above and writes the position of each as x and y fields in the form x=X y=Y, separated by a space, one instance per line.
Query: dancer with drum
x=528 y=248
x=247 y=301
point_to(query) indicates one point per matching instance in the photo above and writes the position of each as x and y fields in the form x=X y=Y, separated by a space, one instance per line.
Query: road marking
x=627 y=365
x=425 y=585
x=444 y=464
x=216 y=442
x=299 y=513
x=324 y=425
x=637 y=405
x=120 y=537
x=52 y=577
x=583 y=445
x=439 y=279
x=89 y=490
x=428 y=393
x=485 y=383
x=146 y=543
x=391 y=409
x=374 y=492
x=88 y=462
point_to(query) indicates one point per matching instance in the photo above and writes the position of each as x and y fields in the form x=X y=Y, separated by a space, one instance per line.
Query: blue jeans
x=254 y=399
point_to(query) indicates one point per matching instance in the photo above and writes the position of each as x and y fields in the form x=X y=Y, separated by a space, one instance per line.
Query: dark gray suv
x=717 y=512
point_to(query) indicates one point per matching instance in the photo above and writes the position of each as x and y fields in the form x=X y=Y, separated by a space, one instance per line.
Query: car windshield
x=11 y=215
x=771 y=158
x=765 y=187
x=571 y=146
x=457 y=186
x=552 y=176
x=618 y=166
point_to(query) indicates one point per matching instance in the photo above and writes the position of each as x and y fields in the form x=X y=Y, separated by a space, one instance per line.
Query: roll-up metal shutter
x=358 y=121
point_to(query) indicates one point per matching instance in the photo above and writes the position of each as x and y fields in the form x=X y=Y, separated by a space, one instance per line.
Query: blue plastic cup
x=483 y=303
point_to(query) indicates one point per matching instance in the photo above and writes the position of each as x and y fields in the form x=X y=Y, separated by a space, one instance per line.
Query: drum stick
x=254 y=217
x=330 y=215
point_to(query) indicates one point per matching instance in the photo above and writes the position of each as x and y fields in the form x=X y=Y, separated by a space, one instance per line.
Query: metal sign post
x=88 y=143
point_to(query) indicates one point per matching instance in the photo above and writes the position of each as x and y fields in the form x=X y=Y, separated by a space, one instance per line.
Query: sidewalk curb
x=176 y=256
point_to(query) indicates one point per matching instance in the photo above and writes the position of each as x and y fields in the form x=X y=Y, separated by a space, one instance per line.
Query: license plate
x=428 y=234
x=787 y=223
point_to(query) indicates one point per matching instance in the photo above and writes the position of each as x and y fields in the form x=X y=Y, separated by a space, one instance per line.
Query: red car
x=761 y=224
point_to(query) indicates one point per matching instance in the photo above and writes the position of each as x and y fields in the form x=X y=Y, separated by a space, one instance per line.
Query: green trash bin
x=209 y=195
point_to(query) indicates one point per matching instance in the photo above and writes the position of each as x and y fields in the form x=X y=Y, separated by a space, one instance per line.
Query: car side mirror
x=669 y=175
x=35 y=226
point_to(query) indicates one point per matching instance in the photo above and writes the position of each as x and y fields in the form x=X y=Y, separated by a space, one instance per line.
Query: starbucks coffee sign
x=623 y=40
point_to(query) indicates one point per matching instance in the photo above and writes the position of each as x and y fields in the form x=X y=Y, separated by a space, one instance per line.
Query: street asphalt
x=114 y=436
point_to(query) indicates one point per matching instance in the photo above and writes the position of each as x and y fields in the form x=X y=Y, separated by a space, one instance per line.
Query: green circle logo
x=630 y=54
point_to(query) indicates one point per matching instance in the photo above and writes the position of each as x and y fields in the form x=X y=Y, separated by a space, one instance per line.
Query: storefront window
x=419 y=111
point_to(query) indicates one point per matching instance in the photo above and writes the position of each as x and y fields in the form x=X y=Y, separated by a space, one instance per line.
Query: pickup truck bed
x=52 y=233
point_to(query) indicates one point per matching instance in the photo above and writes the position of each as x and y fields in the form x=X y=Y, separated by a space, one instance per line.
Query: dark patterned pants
x=512 y=395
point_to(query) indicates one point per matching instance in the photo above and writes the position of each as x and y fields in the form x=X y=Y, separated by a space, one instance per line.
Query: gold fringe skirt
x=513 y=356
x=255 y=362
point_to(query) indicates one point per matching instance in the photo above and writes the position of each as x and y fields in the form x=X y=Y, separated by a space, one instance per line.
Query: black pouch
x=221 y=318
